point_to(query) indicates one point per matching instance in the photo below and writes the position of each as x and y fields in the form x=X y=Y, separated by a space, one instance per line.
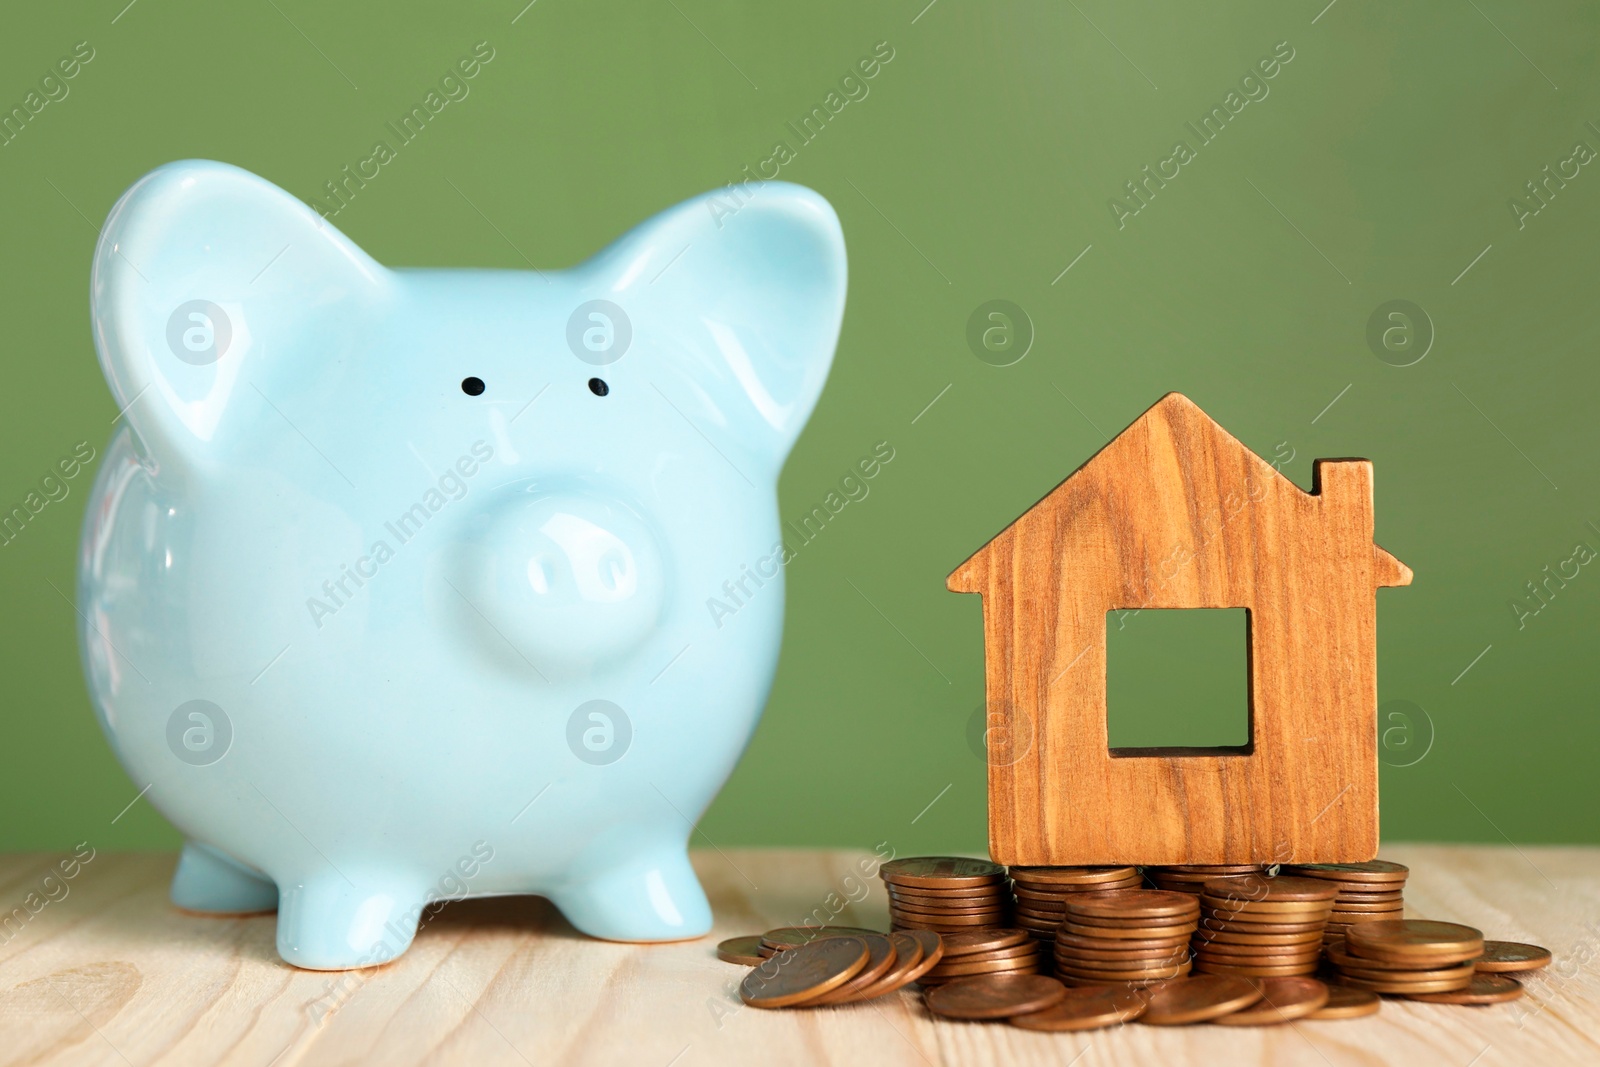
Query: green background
x=979 y=167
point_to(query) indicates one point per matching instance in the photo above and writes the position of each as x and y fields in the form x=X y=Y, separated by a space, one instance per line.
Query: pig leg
x=651 y=895
x=326 y=922
x=208 y=881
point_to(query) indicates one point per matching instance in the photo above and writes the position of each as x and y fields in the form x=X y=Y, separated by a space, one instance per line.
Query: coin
x=1265 y=958
x=941 y=872
x=1132 y=904
x=1071 y=876
x=1111 y=956
x=881 y=954
x=1245 y=970
x=795 y=936
x=1234 y=926
x=1070 y=940
x=1228 y=937
x=1194 y=1000
x=1173 y=922
x=1345 y=1002
x=1483 y=989
x=908 y=956
x=1144 y=976
x=1379 y=871
x=995 y=996
x=742 y=950
x=800 y=974
x=1128 y=933
x=983 y=940
x=1087 y=1008
x=1015 y=965
x=1279 y=909
x=1256 y=888
x=947 y=900
x=1508 y=956
x=1341 y=957
x=1434 y=942
x=1456 y=972
x=1378 y=986
x=1282 y=999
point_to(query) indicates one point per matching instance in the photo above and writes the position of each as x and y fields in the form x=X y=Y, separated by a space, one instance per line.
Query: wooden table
x=110 y=973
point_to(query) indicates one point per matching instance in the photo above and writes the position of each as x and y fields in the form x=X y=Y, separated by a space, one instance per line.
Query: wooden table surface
x=110 y=973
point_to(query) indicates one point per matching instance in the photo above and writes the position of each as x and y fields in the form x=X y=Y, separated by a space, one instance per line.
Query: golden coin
x=795 y=936
x=908 y=956
x=1087 y=1008
x=1282 y=999
x=995 y=996
x=1483 y=989
x=1133 y=904
x=1507 y=956
x=1433 y=942
x=741 y=950
x=1254 y=888
x=1377 y=871
x=800 y=974
x=1378 y=986
x=983 y=940
x=941 y=872
x=1194 y=1000
x=1128 y=933
x=1345 y=1002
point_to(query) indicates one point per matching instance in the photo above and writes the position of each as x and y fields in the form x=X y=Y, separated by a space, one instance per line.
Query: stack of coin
x=989 y=951
x=946 y=893
x=1408 y=957
x=833 y=969
x=1041 y=893
x=1260 y=927
x=1368 y=892
x=1133 y=936
x=787 y=937
x=1191 y=878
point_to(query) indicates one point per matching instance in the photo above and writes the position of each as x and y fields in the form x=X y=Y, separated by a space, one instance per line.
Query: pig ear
x=209 y=281
x=735 y=299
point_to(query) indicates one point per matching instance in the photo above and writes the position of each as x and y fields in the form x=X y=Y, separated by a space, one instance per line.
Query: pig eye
x=598 y=387
x=472 y=386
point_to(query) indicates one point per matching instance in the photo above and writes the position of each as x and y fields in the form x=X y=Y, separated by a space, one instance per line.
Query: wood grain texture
x=112 y=974
x=1177 y=513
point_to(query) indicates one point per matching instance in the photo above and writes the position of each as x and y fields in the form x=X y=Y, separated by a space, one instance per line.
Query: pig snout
x=568 y=579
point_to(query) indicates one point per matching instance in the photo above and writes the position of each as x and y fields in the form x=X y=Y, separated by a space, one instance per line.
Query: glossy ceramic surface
x=376 y=637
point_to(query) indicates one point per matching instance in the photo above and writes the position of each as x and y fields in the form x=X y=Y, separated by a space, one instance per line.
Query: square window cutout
x=1178 y=681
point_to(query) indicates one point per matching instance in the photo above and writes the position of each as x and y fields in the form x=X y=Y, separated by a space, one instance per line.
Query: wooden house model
x=1177 y=513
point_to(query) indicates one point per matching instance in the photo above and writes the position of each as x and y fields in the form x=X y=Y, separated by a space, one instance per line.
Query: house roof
x=1177 y=409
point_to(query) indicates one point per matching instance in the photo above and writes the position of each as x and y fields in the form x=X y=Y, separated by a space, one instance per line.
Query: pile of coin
x=1368 y=892
x=1041 y=893
x=1408 y=957
x=833 y=968
x=1260 y=927
x=1192 y=878
x=946 y=893
x=985 y=951
x=1133 y=936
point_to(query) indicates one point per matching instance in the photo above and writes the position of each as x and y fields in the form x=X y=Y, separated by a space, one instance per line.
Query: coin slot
x=1178 y=682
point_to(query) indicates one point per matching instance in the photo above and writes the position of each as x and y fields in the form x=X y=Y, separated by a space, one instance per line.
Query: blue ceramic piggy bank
x=394 y=583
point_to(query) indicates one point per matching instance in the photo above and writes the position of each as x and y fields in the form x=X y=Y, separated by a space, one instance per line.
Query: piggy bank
x=401 y=585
